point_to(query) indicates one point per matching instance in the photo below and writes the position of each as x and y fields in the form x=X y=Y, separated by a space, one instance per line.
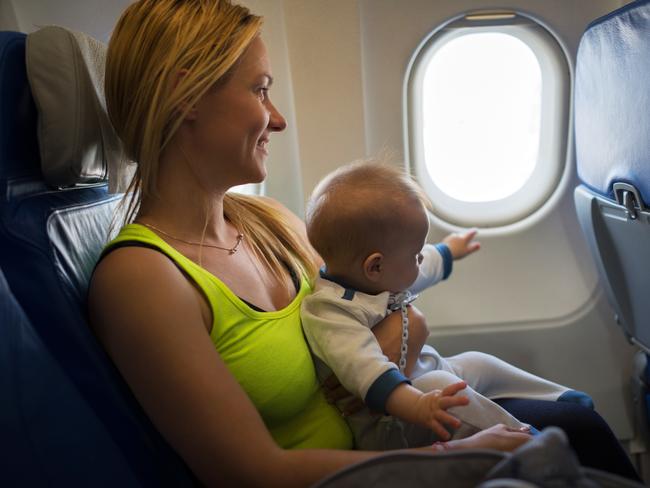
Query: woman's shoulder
x=140 y=270
x=131 y=281
x=134 y=254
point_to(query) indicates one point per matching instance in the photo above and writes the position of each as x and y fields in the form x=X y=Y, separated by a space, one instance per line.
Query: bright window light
x=248 y=189
x=486 y=120
x=481 y=116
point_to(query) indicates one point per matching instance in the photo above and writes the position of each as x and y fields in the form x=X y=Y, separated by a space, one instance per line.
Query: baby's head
x=369 y=222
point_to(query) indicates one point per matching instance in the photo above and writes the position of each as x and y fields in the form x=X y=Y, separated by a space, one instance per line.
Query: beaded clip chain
x=400 y=302
x=405 y=335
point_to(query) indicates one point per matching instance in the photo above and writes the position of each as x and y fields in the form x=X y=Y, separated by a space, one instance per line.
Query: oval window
x=487 y=117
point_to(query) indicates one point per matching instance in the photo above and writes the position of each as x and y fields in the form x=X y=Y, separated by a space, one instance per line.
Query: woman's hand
x=347 y=404
x=497 y=437
x=388 y=333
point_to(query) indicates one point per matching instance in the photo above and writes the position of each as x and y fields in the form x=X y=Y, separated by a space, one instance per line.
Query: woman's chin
x=260 y=174
x=253 y=178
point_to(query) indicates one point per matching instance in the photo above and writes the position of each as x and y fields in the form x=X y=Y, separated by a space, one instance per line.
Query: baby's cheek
x=414 y=273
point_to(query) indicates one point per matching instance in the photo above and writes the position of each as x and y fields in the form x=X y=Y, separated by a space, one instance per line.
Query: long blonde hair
x=152 y=42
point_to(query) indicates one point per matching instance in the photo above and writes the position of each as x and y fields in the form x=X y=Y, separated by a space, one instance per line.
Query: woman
x=197 y=301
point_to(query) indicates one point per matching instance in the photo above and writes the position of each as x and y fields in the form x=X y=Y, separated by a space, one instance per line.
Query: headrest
x=612 y=101
x=76 y=139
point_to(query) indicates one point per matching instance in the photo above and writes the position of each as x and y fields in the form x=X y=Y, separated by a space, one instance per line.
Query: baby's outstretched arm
x=437 y=259
x=462 y=245
x=427 y=409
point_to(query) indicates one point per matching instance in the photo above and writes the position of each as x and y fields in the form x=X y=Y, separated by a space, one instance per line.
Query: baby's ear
x=373 y=266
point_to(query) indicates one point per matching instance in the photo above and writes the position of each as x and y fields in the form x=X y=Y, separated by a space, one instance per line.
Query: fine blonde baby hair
x=358 y=209
x=154 y=41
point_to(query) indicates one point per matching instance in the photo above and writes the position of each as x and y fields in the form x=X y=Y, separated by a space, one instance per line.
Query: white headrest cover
x=77 y=142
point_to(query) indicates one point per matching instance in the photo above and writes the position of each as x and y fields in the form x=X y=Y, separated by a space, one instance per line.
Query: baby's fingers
x=448 y=419
x=439 y=430
x=454 y=388
x=473 y=246
x=470 y=245
x=469 y=235
x=455 y=401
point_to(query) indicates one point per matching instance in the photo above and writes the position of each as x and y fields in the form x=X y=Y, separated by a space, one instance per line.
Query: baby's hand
x=461 y=245
x=431 y=409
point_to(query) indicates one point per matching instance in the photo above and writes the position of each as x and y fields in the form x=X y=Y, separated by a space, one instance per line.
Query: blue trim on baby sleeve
x=348 y=294
x=381 y=389
x=447 y=259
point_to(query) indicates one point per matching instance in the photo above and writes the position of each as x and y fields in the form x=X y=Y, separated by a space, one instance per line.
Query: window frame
x=554 y=124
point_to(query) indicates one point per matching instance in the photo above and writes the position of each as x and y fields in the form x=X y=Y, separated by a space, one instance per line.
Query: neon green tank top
x=268 y=355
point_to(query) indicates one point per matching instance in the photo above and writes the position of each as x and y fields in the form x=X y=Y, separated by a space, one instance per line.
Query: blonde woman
x=197 y=300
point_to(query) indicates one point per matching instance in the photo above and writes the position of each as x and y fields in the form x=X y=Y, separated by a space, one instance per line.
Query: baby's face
x=402 y=262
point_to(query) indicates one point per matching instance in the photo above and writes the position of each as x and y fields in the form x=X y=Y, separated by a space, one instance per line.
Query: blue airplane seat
x=612 y=137
x=50 y=239
x=50 y=435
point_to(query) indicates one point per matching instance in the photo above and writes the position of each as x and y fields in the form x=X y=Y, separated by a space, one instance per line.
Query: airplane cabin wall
x=530 y=295
x=98 y=18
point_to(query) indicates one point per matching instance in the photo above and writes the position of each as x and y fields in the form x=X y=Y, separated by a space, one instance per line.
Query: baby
x=369 y=222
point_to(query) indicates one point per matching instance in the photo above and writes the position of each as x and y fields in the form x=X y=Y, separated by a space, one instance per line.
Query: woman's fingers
x=335 y=394
x=331 y=382
x=353 y=406
x=333 y=389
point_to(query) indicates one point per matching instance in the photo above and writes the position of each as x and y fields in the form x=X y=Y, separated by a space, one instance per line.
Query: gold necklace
x=231 y=250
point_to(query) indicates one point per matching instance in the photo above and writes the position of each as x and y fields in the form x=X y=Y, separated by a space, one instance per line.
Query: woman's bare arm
x=388 y=333
x=150 y=320
x=153 y=323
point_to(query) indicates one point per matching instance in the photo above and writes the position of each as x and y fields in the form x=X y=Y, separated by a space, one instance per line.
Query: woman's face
x=231 y=125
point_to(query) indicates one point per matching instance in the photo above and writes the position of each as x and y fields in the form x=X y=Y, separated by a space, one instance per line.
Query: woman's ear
x=183 y=105
x=373 y=266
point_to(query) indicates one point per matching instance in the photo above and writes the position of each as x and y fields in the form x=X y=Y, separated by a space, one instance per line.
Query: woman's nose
x=277 y=122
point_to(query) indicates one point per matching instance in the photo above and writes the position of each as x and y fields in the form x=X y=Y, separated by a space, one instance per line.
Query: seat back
x=612 y=134
x=50 y=434
x=50 y=240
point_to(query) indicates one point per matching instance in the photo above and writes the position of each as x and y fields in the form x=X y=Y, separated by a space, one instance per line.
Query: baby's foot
x=575 y=396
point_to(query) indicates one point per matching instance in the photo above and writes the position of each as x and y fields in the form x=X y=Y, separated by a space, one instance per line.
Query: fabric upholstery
x=612 y=96
x=77 y=142
x=50 y=240
x=612 y=135
x=53 y=436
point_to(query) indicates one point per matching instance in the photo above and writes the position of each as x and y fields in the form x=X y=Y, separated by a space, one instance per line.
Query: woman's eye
x=263 y=92
x=419 y=257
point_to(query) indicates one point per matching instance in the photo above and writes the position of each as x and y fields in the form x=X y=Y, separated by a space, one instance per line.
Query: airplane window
x=482 y=98
x=487 y=119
